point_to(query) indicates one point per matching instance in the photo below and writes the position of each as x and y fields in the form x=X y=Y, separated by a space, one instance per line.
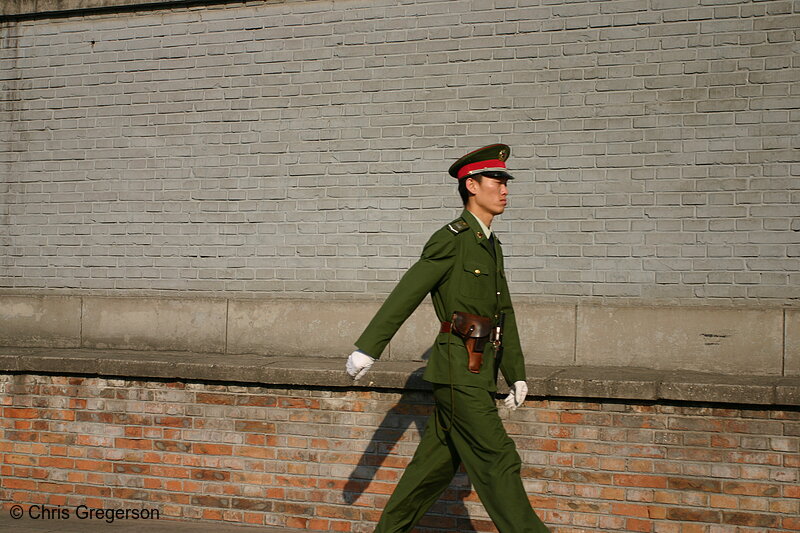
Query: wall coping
x=608 y=383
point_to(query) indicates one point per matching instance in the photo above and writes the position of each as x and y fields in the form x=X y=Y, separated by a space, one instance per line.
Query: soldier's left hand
x=519 y=390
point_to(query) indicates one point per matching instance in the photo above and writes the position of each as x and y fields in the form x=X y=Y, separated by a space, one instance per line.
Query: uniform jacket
x=462 y=272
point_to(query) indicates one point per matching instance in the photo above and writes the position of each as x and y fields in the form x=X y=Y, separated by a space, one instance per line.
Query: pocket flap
x=477 y=269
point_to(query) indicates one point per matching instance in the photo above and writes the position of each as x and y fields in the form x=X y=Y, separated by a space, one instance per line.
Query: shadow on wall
x=449 y=513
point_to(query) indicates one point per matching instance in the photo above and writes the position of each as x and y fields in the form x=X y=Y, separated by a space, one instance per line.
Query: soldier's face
x=490 y=194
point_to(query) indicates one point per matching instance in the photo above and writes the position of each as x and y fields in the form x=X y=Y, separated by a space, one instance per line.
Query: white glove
x=519 y=390
x=358 y=363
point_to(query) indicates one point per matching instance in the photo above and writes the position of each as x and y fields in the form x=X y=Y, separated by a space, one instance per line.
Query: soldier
x=462 y=268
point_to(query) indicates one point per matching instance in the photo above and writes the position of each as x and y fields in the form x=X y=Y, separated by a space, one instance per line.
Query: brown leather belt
x=447 y=327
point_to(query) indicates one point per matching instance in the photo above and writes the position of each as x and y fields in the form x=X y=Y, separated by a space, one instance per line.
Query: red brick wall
x=327 y=459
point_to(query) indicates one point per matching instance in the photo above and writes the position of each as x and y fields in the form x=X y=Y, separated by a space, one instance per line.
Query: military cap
x=489 y=161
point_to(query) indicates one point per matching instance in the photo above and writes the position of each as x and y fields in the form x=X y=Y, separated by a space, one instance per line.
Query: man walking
x=462 y=268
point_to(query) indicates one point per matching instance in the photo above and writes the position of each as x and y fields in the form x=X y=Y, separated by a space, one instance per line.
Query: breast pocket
x=476 y=281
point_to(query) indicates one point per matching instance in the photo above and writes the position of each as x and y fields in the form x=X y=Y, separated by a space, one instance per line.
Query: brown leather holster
x=474 y=330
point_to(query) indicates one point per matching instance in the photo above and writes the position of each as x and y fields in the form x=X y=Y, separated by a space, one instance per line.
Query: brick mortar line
x=558 y=467
x=721 y=479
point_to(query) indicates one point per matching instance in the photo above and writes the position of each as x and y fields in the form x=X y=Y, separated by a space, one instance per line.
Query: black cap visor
x=496 y=174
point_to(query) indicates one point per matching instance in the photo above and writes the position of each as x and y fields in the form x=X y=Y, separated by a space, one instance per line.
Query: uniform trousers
x=477 y=438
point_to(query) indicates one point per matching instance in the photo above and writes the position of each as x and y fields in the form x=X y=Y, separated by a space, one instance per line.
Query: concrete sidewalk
x=76 y=525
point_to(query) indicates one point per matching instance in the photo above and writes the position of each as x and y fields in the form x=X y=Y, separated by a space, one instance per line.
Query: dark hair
x=462 y=187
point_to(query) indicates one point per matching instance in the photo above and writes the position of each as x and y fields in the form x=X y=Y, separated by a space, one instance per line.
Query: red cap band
x=473 y=168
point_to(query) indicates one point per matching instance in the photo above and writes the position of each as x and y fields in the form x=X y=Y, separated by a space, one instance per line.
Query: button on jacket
x=463 y=271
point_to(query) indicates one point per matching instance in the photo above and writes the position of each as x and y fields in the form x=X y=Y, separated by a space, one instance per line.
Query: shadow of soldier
x=414 y=407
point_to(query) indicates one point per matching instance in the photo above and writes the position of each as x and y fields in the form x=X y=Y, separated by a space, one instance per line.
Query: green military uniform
x=462 y=269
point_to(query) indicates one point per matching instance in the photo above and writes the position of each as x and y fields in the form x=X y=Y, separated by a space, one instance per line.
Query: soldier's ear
x=472 y=185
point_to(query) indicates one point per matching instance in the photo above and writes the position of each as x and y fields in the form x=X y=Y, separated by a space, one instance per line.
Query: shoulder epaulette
x=457 y=226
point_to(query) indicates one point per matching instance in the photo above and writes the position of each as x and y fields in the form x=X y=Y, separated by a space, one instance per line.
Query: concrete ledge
x=544 y=381
x=196 y=325
x=734 y=341
x=792 y=334
x=295 y=328
x=700 y=339
x=53 y=321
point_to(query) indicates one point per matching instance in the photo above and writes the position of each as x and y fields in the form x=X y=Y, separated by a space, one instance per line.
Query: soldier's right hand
x=358 y=363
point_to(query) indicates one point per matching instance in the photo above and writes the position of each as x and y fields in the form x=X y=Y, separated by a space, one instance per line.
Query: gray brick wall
x=301 y=148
